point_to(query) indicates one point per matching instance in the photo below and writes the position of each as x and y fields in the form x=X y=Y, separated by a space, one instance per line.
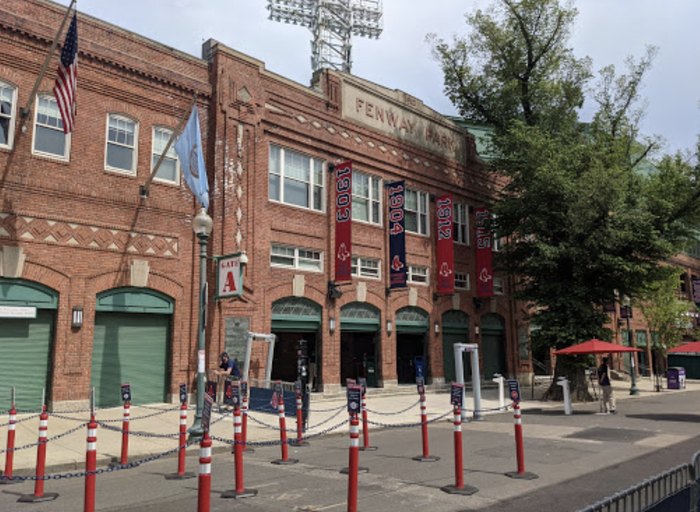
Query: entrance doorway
x=455 y=329
x=358 y=357
x=411 y=330
x=493 y=345
x=284 y=362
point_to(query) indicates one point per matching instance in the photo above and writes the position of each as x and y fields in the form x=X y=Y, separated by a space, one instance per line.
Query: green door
x=25 y=355
x=130 y=348
x=455 y=329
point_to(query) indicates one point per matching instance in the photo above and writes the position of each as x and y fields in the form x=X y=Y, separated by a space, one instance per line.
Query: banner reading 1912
x=445 y=246
x=397 y=235
x=343 y=221
x=484 y=254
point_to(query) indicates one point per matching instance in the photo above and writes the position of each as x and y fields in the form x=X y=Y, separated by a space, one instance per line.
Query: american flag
x=66 y=77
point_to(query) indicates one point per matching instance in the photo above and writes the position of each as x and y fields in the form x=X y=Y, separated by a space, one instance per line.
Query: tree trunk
x=575 y=371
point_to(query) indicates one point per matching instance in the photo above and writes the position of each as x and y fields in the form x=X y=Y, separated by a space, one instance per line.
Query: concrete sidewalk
x=67 y=431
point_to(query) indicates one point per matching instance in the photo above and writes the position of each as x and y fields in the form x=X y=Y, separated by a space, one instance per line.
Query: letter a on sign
x=229 y=276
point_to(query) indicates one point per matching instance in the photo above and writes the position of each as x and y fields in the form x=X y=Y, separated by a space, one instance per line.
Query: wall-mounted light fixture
x=437 y=327
x=331 y=325
x=77 y=317
x=476 y=330
x=389 y=327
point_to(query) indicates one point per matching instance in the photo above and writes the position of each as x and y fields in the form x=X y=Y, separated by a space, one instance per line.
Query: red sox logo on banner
x=343 y=222
x=445 y=245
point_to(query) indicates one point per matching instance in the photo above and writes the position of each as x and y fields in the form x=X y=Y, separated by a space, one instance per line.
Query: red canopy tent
x=693 y=346
x=594 y=346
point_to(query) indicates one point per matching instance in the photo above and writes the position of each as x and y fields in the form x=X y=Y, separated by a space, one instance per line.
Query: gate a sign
x=229 y=276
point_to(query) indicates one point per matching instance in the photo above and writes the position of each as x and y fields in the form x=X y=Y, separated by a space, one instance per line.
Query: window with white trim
x=460 y=221
x=296 y=257
x=122 y=137
x=49 y=139
x=365 y=267
x=296 y=179
x=169 y=170
x=498 y=285
x=417 y=274
x=8 y=109
x=462 y=280
x=416 y=212
x=366 y=198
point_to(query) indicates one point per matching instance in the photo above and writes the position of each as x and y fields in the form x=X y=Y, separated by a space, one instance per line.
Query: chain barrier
x=393 y=413
x=22 y=420
x=137 y=433
x=405 y=425
x=277 y=442
x=117 y=420
x=58 y=436
x=339 y=408
x=293 y=429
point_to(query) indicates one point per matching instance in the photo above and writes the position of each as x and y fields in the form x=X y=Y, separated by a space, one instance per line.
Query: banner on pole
x=484 y=253
x=445 y=245
x=397 y=235
x=343 y=221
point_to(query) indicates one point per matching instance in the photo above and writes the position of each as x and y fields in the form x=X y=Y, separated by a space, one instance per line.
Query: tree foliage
x=584 y=212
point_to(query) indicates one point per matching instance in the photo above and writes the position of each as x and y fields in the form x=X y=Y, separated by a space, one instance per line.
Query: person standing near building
x=228 y=368
x=607 y=400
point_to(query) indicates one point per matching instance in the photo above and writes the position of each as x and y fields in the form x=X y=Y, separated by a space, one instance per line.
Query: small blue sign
x=354 y=398
x=514 y=390
x=456 y=394
x=183 y=393
x=126 y=393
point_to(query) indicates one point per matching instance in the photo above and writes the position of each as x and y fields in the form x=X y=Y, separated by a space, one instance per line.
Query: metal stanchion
x=353 y=462
x=519 y=449
x=365 y=425
x=425 y=457
x=458 y=487
x=124 y=459
x=90 y=465
x=39 y=495
x=181 y=452
x=10 y=450
x=204 y=487
x=240 y=491
x=285 y=460
x=244 y=412
x=299 y=441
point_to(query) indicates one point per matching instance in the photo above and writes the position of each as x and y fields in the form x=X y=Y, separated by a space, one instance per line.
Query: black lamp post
x=202 y=226
x=628 y=313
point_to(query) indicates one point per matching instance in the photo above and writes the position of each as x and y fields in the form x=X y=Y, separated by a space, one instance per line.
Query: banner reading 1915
x=397 y=235
x=484 y=254
x=343 y=221
x=445 y=246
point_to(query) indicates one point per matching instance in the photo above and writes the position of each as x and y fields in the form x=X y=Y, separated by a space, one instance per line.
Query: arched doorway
x=493 y=345
x=27 y=320
x=294 y=319
x=359 y=332
x=455 y=329
x=411 y=329
x=131 y=345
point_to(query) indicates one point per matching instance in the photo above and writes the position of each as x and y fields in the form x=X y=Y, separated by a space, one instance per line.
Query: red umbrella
x=595 y=346
x=693 y=346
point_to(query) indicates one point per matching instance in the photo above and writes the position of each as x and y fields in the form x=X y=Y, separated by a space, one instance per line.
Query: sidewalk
x=67 y=432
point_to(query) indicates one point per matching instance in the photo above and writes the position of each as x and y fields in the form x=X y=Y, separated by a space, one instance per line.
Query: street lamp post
x=202 y=226
x=628 y=314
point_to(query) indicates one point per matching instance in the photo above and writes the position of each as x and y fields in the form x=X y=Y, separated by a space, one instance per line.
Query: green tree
x=582 y=211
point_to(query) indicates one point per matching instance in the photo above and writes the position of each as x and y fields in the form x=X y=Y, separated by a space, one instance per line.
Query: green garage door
x=130 y=348
x=25 y=355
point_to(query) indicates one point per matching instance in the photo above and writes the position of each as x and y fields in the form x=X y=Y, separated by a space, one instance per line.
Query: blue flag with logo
x=397 y=235
x=191 y=154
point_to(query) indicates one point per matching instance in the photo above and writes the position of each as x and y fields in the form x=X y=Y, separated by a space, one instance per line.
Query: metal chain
x=340 y=407
x=393 y=413
x=58 y=436
x=136 y=432
x=403 y=425
x=21 y=420
x=278 y=442
x=131 y=418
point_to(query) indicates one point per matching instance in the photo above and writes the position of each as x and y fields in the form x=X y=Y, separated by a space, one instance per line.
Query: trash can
x=675 y=378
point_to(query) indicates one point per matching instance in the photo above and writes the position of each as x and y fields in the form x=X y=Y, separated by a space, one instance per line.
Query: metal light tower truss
x=332 y=23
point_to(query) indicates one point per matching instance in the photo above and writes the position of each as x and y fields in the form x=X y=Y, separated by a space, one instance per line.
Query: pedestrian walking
x=607 y=400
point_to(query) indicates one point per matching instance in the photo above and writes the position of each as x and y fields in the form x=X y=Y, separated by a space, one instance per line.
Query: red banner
x=445 y=245
x=343 y=222
x=484 y=253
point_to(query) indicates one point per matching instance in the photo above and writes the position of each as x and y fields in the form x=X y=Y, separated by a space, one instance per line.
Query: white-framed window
x=366 y=267
x=49 y=139
x=416 y=212
x=296 y=257
x=498 y=285
x=169 y=170
x=296 y=179
x=8 y=110
x=417 y=274
x=460 y=221
x=366 y=198
x=122 y=139
x=462 y=280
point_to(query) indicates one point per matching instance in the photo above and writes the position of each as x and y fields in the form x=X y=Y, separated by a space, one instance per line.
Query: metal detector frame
x=473 y=350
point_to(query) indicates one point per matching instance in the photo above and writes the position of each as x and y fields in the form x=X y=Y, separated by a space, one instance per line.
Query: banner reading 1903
x=343 y=221
x=397 y=235
x=445 y=246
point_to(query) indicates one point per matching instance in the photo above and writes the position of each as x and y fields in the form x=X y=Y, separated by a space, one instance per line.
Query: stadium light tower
x=332 y=23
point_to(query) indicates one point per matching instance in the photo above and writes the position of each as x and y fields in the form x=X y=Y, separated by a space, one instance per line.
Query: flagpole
x=143 y=189
x=24 y=113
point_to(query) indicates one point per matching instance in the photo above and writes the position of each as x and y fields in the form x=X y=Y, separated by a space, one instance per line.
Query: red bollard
x=425 y=457
x=125 y=434
x=90 y=466
x=240 y=491
x=39 y=495
x=458 y=487
x=353 y=462
x=244 y=426
x=181 y=474
x=204 y=487
x=285 y=460
x=300 y=422
x=365 y=427
x=519 y=448
x=10 y=450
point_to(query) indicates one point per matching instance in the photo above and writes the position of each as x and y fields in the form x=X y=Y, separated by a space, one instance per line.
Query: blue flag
x=190 y=152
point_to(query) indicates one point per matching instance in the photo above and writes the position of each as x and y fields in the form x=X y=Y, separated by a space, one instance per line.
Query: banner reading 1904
x=343 y=221
x=397 y=235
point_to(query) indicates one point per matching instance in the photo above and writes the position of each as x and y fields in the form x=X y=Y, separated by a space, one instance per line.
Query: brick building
x=85 y=244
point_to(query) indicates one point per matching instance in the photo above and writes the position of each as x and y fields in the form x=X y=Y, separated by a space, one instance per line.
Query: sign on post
x=420 y=384
x=126 y=393
x=183 y=393
x=354 y=393
x=228 y=392
x=210 y=389
x=233 y=394
x=244 y=388
x=229 y=276
x=514 y=390
x=456 y=394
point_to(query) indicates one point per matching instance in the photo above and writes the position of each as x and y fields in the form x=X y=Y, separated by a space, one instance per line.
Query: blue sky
x=606 y=30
